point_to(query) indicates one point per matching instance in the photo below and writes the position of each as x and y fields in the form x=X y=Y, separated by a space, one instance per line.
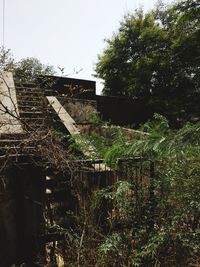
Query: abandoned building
x=37 y=171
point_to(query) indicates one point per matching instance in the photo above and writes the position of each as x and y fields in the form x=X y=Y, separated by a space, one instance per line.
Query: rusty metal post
x=152 y=202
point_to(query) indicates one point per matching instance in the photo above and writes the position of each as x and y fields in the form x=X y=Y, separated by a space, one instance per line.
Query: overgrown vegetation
x=162 y=229
x=175 y=238
x=150 y=215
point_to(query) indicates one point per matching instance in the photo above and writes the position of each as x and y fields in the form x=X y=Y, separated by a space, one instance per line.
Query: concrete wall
x=8 y=105
x=68 y=86
x=123 y=111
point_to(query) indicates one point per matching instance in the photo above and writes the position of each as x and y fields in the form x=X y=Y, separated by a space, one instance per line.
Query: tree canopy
x=25 y=70
x=155 y=57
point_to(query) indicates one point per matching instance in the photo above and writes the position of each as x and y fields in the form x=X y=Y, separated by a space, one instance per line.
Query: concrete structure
x=9 y=124
x=32 y=180
x=64 y=116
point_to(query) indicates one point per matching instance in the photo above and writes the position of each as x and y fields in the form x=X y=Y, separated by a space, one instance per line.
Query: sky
x=64 y=33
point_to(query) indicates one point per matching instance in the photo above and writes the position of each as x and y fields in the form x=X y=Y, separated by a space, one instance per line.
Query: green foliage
x=28 y=69
x=176 y=236
x=25 y=70
x=95 y=119
x=7 y=62
x=160 y=142
x=123 y=224
x=111 y=250
x=73 y=146
x=155 y=57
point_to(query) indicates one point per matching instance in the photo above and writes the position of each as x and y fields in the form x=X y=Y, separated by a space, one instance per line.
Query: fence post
x=152 y=203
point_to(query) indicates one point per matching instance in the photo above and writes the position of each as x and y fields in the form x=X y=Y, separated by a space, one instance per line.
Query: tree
x=7 y=62
x=29 y=68
x=25 y=70
x=155 y=57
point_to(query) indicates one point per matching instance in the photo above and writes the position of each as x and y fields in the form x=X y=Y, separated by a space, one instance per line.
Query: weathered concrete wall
x=64 y=116
x=81 y=110
x=8 y=105
x=20 y=215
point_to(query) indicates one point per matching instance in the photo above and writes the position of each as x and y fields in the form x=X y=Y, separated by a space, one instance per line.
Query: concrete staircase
x=32 y=107
x=33 y=116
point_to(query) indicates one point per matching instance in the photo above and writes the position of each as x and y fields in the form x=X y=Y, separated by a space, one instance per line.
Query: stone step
x=29 y=101
x=32 y=88
x=24 y=97
x=36 y=127
x=17 y=136
x=28 y=108
x=31 y=104
x=17 y=142
x=16 y=157
x=34 y=119
x=31 y=114
x=27 y=85
x=30 y=93
x=17 y=149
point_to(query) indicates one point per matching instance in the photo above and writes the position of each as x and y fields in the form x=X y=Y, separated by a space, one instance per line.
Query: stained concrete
x=87 y=148
x=9 y=124
x=64 y=116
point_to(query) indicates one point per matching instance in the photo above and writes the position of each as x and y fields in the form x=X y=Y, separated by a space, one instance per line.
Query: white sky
x=64 y=33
